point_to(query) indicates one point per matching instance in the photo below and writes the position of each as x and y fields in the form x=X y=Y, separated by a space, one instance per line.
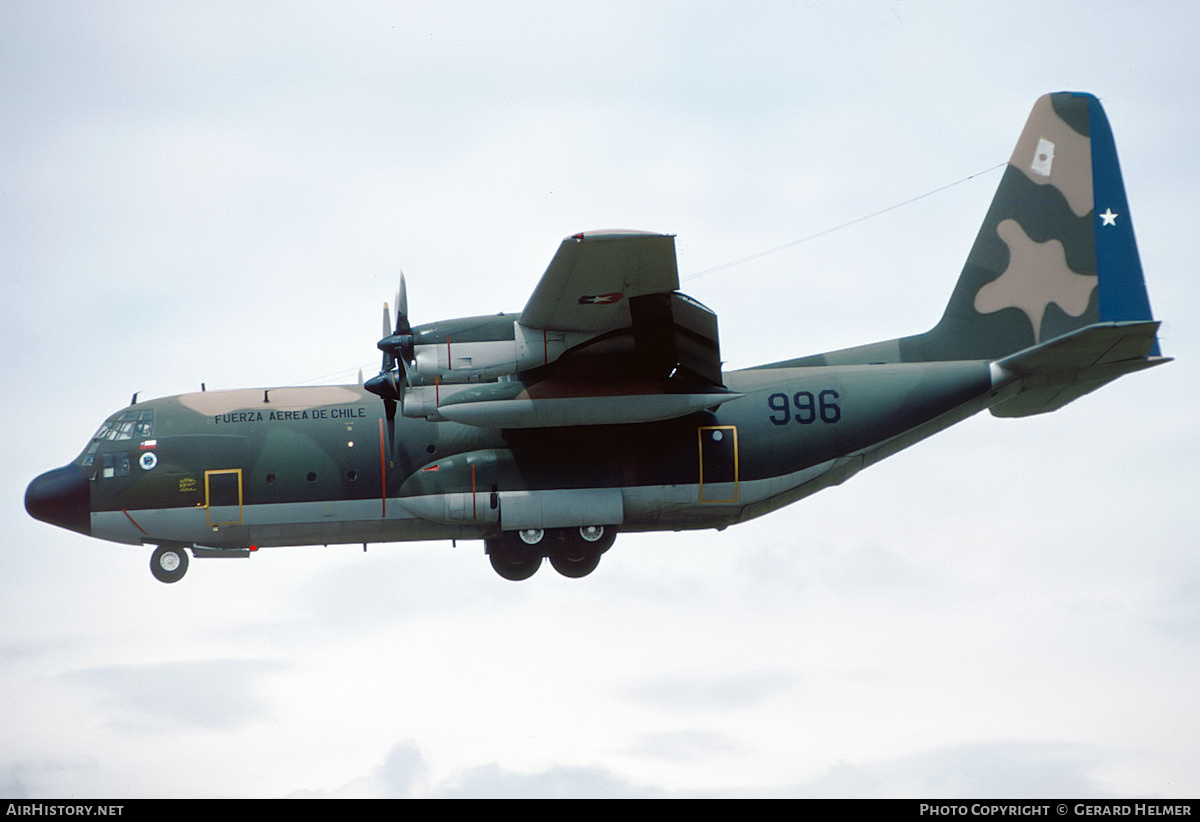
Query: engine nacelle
x=450 y=361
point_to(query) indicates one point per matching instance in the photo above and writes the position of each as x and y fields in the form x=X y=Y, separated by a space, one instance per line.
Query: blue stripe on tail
x=1123 y=294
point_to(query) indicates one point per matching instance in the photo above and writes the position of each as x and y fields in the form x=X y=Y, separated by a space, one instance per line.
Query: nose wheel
x=169 y=563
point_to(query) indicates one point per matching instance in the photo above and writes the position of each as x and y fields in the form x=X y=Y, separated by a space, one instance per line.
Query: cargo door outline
x=223 y=497
x=718 y=453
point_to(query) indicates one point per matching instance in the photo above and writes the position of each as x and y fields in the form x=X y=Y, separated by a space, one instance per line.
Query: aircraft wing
x=606 y=338
x=590 y=282
x=615 y=294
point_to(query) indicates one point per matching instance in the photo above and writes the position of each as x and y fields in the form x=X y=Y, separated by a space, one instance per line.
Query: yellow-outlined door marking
x=718 y=446
x=222 y=504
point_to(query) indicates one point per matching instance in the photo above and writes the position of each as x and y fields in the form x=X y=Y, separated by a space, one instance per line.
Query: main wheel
x=577 y=551
x=600 y=536
x=512 y=557
x=169 y=563
x=531 y=536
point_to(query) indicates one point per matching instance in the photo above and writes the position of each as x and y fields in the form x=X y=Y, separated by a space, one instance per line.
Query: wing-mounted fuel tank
x=549 y=403
x=468 y=489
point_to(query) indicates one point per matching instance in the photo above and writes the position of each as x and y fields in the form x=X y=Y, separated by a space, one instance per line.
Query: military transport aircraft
x=602 y=406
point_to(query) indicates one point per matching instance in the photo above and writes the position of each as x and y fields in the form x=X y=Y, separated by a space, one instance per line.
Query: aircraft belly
x=343 y=521
x=296 y=523
x=680 y=506
x=118 y=526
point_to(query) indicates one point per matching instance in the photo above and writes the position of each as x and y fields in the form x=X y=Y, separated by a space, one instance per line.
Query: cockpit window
x=128 y=425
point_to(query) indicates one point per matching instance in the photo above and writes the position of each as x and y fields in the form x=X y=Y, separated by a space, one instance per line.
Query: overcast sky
x=226 y=193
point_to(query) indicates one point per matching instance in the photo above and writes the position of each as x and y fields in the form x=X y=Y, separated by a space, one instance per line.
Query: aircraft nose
x=61 y=497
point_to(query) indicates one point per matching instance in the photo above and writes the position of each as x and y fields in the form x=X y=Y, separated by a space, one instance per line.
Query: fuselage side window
x=114 y=464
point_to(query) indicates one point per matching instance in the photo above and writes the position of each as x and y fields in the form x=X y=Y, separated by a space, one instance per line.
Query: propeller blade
x=388 y=362
x=410 y=370
x=402 y=324
x=389 y=411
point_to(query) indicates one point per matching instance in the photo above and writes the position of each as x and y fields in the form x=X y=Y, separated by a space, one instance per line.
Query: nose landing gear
x=169 y=563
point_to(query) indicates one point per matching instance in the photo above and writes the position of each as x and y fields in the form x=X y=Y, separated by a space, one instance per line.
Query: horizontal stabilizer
x=1064 y=369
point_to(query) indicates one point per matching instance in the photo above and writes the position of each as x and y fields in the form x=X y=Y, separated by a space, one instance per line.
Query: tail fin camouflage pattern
x=1054 y=269
x=1056 y=252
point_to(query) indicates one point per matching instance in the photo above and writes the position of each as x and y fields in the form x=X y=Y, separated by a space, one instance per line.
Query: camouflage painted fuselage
x=293 y=466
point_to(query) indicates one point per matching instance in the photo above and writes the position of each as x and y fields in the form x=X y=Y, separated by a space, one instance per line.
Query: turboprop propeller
x=397 y=347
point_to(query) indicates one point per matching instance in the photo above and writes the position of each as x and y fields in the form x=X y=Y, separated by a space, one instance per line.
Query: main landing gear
x=574 y=552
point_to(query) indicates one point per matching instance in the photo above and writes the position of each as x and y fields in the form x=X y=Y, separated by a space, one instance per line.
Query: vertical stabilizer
x=1056 y=251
